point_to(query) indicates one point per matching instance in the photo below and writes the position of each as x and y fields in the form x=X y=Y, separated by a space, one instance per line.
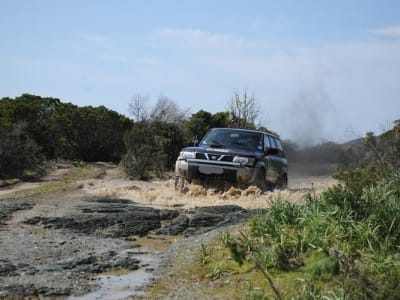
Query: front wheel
x=262 y=183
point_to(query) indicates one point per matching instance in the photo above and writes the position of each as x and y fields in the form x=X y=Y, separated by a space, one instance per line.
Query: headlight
x=186 y=155
x=248 y=161
x=240 y=160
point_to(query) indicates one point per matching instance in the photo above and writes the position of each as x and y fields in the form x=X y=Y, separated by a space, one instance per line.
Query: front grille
x=212 y=156
x=201 y=156
x=228 y=158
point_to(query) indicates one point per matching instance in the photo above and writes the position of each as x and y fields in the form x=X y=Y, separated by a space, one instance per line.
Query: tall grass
x=349 y=235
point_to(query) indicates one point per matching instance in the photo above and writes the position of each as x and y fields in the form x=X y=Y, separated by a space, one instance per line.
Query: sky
x=319 y=70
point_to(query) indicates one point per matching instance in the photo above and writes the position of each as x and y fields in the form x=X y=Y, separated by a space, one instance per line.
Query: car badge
x=213 y=157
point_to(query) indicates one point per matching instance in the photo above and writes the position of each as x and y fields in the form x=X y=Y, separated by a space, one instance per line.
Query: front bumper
x=203 y=169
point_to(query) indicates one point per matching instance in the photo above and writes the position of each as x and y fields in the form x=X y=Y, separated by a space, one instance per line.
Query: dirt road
x=84 y=233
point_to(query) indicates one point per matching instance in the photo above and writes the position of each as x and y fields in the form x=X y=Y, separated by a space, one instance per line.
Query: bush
x=152 y=148
x=351 y=234
x=18 y=152
x=143 y=156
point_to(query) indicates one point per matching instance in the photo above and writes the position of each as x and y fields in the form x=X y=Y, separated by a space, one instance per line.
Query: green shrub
x=18 y=152
x=354 y=229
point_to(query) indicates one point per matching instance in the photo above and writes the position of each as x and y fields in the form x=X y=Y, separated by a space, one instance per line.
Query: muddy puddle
x=121 y=284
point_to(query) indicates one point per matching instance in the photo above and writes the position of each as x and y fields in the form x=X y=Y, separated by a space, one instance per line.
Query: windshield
x=231 y=138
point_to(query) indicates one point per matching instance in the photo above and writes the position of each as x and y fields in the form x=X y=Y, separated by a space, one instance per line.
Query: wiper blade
x=217 y=144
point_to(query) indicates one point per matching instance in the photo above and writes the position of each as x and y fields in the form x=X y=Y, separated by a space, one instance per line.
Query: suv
x=245 y=157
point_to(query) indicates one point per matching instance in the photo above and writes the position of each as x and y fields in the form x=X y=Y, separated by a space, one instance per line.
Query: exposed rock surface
x=6 y=210
x=57 y=248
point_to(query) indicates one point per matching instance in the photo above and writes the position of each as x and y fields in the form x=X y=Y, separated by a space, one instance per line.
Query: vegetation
x=157 y=136
x=18 y=151
x=33 y=128
x=244 y=111
x=340 y=245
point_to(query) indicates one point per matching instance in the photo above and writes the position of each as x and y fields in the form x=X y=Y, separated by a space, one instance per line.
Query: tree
x=244 y=110
x=167 y=111
x=138 y=108
x=202 y=121
x=64 y=130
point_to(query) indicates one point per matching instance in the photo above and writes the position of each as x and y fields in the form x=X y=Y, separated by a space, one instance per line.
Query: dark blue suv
x=242 y=156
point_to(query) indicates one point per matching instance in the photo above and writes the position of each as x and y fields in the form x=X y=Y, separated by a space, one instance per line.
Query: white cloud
x=388 y=31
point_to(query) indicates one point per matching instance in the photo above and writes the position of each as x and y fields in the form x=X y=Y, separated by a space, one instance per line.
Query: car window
x=279 y=144
x=223 y=138
x=267 y=143
x=273 y=144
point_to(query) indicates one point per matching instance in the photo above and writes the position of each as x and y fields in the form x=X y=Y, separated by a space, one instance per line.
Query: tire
x=262 y=183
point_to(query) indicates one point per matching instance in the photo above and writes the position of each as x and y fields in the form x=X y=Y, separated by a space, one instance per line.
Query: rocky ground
x=102 y=231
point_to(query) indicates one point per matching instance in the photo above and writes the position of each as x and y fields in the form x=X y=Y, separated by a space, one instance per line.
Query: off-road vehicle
x=244 y=157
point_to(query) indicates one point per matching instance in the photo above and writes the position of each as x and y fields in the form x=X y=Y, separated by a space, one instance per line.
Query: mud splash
x=159 y=193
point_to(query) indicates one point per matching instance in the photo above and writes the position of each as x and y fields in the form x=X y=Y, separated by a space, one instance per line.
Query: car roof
x=248 y=130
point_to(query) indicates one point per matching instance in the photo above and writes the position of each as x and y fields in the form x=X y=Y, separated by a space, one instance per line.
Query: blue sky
x=318 y=69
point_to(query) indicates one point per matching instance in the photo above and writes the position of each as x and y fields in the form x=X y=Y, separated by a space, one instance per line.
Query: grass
x=8 y=182
x=219 y=276
x=341 y=236
x=83 y=173
x=42 y=189
x=66 y=182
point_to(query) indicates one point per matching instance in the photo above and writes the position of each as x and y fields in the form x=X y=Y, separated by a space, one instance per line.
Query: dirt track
x=92 y=235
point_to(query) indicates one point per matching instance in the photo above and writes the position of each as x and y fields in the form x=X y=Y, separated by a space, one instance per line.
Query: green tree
x=64 y=130
x=202 y=121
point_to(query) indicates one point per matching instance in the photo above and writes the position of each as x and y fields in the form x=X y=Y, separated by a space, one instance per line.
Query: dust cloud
x=311 y=116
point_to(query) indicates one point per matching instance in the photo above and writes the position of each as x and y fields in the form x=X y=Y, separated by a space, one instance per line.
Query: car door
x=280 y=160
x=271 y=151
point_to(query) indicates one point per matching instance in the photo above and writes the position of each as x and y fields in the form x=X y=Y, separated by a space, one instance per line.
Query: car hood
x=224 y=151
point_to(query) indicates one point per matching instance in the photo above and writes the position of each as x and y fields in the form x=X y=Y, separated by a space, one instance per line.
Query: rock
x=176 y=226
x=108 y=221
x=111 y=200
x=7 y=268
x=223 y=209
x=167 y=214
x=6 y=210
x=203 y=219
